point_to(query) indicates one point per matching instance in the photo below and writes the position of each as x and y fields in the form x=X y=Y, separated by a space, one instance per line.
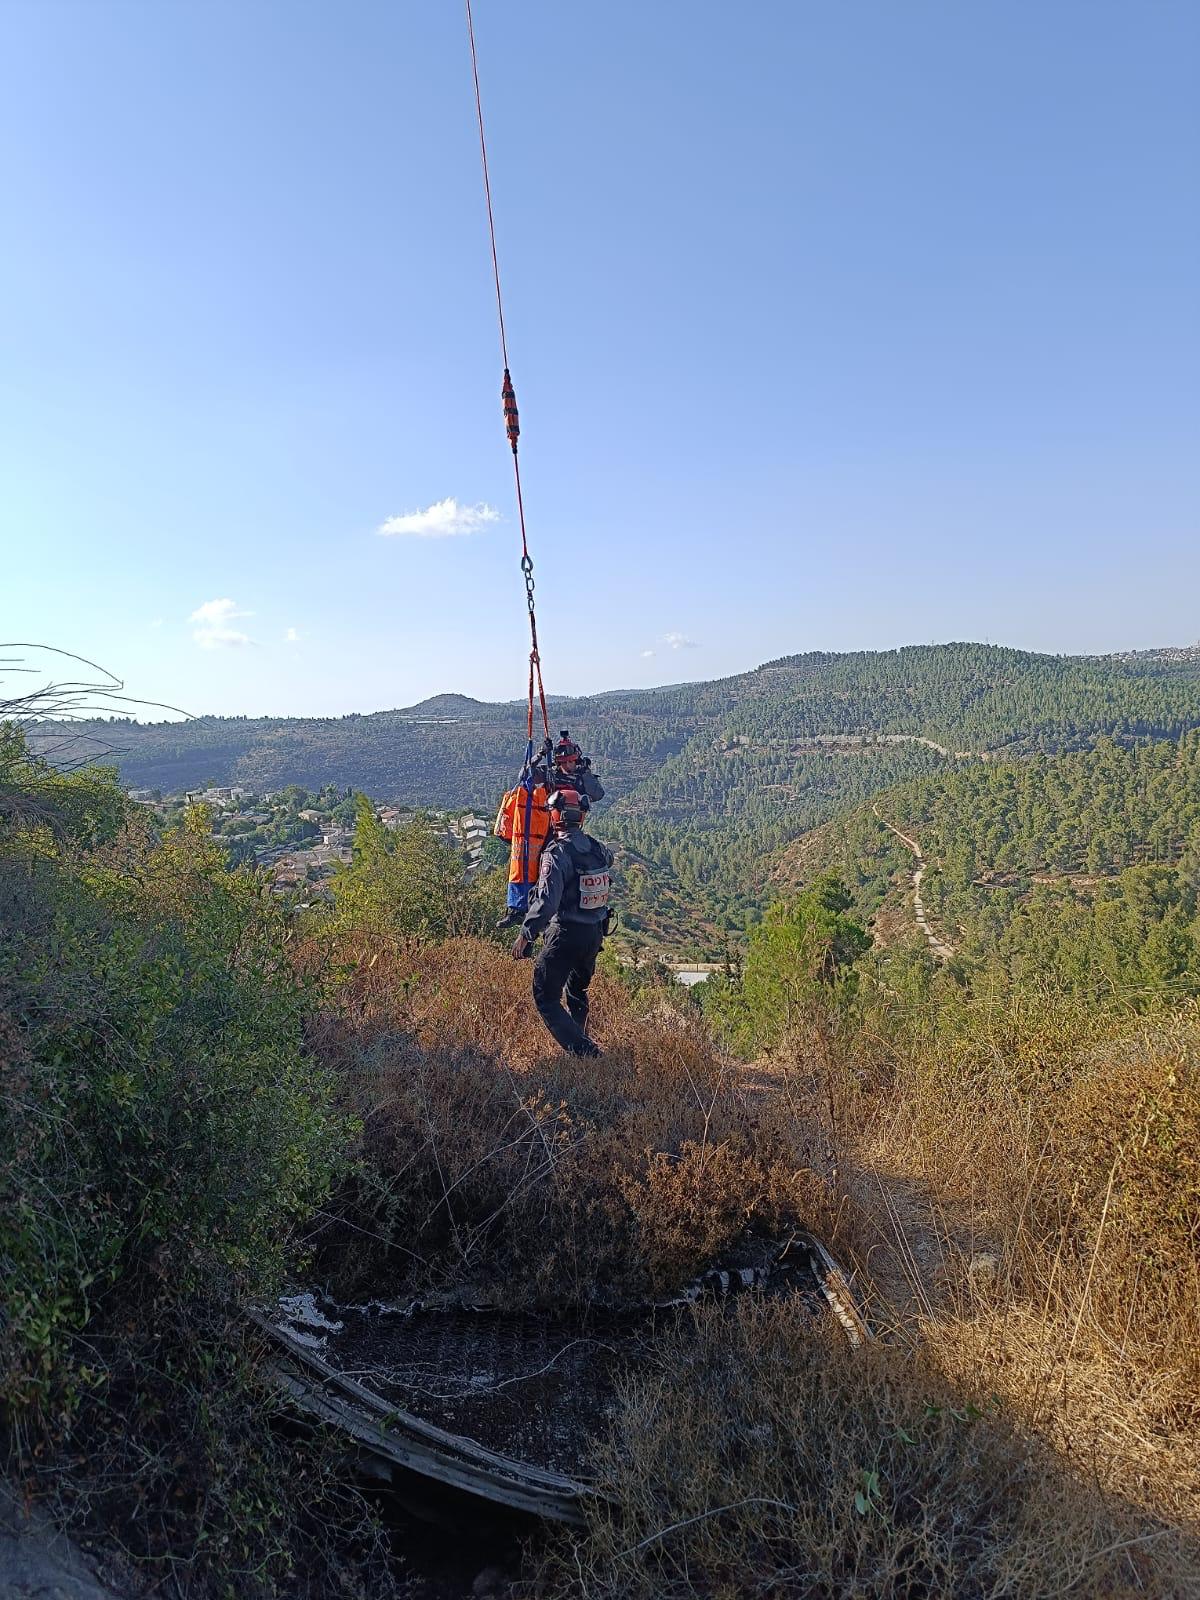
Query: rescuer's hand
x=521 y=947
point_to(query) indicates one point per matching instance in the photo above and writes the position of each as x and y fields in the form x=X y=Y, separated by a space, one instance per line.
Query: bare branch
x=64 y=716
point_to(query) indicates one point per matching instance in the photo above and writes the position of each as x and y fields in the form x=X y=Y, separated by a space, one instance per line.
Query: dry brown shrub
x=688 y=1207
x=1115 y=1413
x=495 y=1163
x=1128 y=1130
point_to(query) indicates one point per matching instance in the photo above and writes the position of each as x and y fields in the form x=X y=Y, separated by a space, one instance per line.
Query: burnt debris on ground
x=508 y=1405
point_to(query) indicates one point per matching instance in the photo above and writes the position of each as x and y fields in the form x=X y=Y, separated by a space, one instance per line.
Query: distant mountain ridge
x=453 y=708
x=965 y=696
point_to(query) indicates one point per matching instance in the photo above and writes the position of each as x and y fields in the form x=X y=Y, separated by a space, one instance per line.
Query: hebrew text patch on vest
x=593 y=891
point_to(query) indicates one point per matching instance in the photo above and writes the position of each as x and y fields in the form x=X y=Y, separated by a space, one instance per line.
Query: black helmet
x=566 y=751
x=566 y=807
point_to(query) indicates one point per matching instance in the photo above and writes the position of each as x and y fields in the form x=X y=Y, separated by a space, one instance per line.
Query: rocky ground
x=37 y=1563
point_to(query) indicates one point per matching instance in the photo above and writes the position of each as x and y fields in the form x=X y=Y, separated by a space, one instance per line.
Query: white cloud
x=157 y=623
x=213 y=630
x=441 y=520
x=672 y=641
x=291 y=637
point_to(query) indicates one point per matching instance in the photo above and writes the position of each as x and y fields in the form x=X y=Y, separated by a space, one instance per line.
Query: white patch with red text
x=593 y=891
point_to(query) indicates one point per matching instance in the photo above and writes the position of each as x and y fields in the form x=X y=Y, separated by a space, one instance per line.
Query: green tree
x=404 y=881
x=803 y=951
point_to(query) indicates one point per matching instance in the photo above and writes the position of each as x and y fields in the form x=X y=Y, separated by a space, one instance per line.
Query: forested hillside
x=447 y=752
x=972 y=697
x=819 y=734
x=1082 y=868
x=711 y=817
x=705 y=781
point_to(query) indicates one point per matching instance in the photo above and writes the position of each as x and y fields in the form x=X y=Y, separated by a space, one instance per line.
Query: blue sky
x=832 y=327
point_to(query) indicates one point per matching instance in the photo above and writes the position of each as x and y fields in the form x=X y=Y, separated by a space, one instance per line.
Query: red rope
x=512 y=423
x=487 y=184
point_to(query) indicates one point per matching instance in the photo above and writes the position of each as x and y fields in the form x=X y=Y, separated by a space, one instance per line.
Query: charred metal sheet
x=399 y=1439
x=507 y=1406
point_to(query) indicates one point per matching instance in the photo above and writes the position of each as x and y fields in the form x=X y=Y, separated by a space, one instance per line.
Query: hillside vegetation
x=448 y=752
x=452 y=750
x=817 y=734
x=208 y=1093
x=1082 y=869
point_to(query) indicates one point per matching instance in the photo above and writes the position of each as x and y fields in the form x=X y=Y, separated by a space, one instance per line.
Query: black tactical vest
x=587 y=871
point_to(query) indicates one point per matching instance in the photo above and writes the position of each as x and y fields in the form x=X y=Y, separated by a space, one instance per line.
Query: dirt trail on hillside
x=939 y=946
x=825 y=741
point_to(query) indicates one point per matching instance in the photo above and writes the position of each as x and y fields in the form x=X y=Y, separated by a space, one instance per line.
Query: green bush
x=162 y=1132
x=404 y=881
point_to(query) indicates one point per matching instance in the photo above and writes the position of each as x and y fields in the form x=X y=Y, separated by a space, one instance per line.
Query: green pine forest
x=1078 y=871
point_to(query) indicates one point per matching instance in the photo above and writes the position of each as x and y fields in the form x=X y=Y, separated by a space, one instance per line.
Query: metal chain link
x=527 y=569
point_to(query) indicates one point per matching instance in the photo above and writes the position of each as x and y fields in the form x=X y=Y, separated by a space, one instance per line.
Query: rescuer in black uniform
x=570 y=905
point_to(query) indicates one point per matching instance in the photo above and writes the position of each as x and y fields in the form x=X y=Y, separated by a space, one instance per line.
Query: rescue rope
x=512 y=420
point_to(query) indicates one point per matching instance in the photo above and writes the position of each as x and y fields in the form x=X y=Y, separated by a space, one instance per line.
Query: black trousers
x=567 y=962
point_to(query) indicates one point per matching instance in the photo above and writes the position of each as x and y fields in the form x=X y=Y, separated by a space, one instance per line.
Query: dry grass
x=1027 y=1204
x=1022 y=1202
x=1062 y=1227
x=763 y=1457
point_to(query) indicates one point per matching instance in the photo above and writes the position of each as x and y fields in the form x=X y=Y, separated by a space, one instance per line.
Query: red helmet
x=566 y=807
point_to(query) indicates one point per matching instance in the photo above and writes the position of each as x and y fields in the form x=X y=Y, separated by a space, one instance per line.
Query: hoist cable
x=512 y=421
